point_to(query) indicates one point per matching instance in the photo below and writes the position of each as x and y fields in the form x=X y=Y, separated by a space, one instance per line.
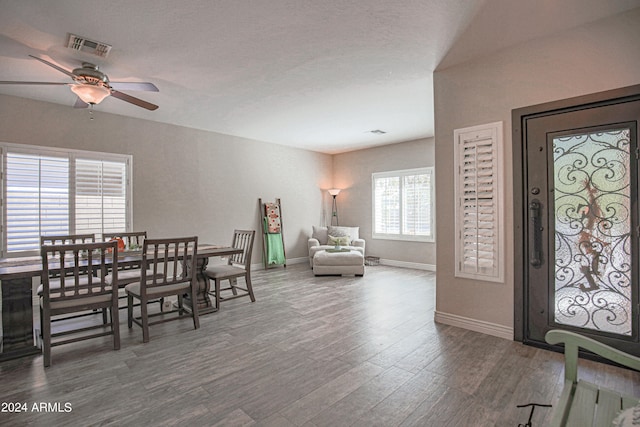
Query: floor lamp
x=334 y=210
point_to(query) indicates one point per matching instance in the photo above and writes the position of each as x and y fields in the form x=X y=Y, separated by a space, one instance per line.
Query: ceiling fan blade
x=146 y=86
x=34 y=83
x=80 y=104
x=133 y=100
x=50 y=64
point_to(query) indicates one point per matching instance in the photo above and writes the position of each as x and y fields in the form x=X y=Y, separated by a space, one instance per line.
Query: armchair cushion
x=319 y=241
x=337 y=231
x=321 y=234
x=339 y=240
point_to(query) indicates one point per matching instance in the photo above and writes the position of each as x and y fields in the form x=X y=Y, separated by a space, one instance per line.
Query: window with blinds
x=101 y=196
x=49 y=192
x=479 y=194
x=403 y=205
x=37 y=199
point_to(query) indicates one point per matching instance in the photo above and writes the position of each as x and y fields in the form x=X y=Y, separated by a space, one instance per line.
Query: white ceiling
x=318 y=75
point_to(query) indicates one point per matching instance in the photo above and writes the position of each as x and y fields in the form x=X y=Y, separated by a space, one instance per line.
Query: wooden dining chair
x=238 y=265
x=73 y=281
x=133 y=240
x=168 y=268
x=65 y=239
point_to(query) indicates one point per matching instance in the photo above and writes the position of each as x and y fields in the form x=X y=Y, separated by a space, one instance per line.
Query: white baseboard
x=390 y=262
x=474 y=325
x=300 y=260
x=405 y=264
x=290 y=261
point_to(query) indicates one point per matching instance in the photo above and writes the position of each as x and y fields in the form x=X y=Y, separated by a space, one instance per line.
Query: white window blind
x=100 y=196
x=416 y=205
x=37 y=199
x=403 y=204
x=54 y=191
x=387 y=205
x=479 y=193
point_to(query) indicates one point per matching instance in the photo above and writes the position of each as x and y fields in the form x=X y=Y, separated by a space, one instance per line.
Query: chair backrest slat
x=131 y=239
x=242 y=239
x=77 y=270
x=176 y=254
x=67 y=239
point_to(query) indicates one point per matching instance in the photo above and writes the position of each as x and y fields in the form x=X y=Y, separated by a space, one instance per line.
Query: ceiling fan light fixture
x=91 y=94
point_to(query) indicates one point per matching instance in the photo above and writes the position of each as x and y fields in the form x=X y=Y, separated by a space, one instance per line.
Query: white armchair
x=321 y=239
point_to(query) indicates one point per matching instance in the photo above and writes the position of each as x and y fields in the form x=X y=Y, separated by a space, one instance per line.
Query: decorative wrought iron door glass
x=592 y=203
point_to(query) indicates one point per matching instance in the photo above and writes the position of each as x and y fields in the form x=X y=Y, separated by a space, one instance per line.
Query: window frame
x=401 y=174
x=492 y=132
x=72 y=155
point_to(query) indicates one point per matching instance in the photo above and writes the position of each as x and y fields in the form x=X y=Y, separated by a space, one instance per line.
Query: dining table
x=16 y=280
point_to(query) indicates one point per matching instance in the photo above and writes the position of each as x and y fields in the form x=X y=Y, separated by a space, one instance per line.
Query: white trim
x=300 y=260
x=428 y=170
x=487 y=134
x=406 y=264
x=481 y=326
x=72 y=155
x=407 y=238
x=389 y=262
x=41 y=149
x=289 y=261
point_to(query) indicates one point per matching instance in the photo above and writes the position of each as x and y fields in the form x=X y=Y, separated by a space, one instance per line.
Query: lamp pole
x=334 y=210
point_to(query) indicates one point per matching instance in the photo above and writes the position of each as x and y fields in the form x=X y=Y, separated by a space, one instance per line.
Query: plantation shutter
x=479 y=224
x=387 y=205
x=416 y=205
x=54 y=191
x=37 y=198
x=100 y=189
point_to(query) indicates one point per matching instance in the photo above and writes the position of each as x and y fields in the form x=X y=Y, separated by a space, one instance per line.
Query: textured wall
x=186 y=181
x=353 y=174
x=583 y=60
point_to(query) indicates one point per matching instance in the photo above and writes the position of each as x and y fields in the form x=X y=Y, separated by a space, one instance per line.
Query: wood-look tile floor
x=311 y=351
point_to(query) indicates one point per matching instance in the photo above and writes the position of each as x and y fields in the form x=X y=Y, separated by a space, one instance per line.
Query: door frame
x=519 y=118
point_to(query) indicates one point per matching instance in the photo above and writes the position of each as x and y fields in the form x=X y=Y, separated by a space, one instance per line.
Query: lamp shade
x=334 y=191
x=91 y=94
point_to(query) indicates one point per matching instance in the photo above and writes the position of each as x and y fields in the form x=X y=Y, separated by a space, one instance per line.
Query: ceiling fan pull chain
x=90 y=111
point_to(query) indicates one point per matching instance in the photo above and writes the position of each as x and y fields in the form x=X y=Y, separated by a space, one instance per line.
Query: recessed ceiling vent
x=85 y=45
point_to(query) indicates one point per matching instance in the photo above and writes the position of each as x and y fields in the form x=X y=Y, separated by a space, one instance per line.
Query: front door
x=581 y=223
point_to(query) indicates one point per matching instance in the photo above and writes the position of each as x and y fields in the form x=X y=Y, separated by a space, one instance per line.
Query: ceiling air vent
x=85 y=45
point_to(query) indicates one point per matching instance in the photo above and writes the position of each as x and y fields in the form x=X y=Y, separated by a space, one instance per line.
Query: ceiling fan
x=92 y=86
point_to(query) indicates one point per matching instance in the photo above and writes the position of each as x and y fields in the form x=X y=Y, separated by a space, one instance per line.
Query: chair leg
x=145 y=321
x=129 y=311
x=46 y=337
x=104 y=316
x=250 y=288
x=41 y=320
x=115 y=326
x=194 y=312
x=217 y=288
x=180 y=304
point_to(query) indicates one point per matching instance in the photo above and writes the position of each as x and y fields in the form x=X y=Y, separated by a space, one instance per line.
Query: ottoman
x=337 y=263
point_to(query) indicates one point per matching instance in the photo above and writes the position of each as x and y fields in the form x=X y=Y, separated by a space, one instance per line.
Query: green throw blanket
x=275 y=247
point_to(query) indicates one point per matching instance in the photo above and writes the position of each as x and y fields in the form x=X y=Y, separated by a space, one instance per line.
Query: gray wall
x=187 y=181
x=597 y=57
x=352 y=173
